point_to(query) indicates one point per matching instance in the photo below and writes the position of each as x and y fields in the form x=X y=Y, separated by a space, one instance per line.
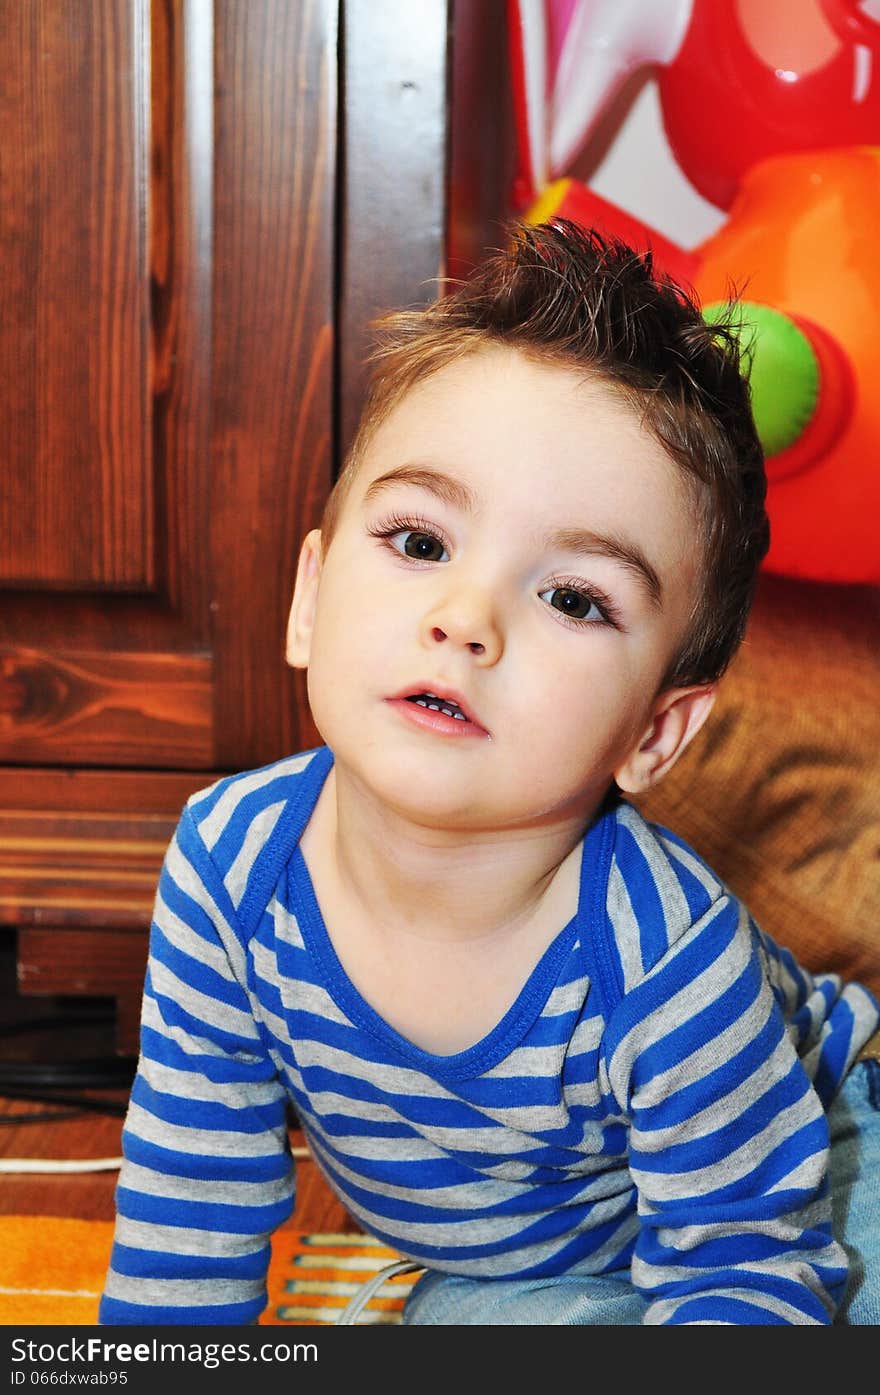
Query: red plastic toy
x=771 y=108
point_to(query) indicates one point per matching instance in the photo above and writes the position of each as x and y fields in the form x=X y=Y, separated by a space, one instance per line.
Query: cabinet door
x=166 y=393
x=166 y=426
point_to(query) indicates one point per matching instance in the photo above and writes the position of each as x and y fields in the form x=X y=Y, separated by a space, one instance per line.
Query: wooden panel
x=78 y=876
x=180 y=327
x=75 y=851
x=273 y=446
x=395 y=79
x=236 y=307
x=78 y=962
x=80 y=872
x=174 y=298
x=76 y=497
x=105 y=709
x=86 y=963
x=482 y=148
x=119 y=675
x=428 y=161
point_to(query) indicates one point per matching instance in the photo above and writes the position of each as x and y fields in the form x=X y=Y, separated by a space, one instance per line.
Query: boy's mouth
x=450 y=708
x=436 y=704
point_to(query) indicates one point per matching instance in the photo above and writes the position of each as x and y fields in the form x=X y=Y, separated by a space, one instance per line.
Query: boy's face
x=512 y=538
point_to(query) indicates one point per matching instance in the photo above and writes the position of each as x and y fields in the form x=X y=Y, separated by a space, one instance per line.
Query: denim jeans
x=575 y=1300
x=854 y=1119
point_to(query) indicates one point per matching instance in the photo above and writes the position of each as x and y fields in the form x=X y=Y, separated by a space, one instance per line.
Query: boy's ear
x=678 y=715
x=305 y=597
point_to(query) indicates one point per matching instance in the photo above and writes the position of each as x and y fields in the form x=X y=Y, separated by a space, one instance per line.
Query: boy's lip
x=440 y=691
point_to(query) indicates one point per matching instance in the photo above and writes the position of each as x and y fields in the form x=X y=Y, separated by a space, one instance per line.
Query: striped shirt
x=652 y=1100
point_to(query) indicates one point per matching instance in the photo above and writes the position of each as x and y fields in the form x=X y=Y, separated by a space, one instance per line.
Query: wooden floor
x=87 y=1134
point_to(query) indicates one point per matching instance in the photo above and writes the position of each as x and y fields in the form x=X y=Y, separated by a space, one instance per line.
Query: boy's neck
x=461 y=884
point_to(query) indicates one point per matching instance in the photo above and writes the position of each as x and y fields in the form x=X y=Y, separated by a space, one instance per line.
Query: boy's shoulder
x=245 y=791
x=648 y=849
x=658 y=884
x=248 y=823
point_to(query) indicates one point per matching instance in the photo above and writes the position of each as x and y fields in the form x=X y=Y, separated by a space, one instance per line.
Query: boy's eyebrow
x=450 y=490
x=619 y=549
x=583 y=540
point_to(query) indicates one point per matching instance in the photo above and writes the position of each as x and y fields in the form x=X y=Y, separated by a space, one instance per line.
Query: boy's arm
x=207 y=1173
x=729 y=1140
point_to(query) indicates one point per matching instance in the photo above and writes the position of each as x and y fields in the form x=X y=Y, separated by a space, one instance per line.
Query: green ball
x=782 y=367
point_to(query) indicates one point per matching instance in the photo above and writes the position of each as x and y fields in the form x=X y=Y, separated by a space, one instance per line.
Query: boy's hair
x=566 y=295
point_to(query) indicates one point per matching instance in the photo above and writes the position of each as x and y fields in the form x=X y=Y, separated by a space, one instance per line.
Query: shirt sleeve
x=207 y=1173
x=728 y=1139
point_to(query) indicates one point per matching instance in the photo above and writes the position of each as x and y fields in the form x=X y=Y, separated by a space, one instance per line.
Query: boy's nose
x=466 y=623
x=475 y=645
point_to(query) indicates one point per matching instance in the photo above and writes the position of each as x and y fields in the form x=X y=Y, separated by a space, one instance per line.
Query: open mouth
x=436 y=704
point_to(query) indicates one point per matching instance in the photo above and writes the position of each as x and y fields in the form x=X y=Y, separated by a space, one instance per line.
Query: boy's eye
x=424 y=547
x=575 y=605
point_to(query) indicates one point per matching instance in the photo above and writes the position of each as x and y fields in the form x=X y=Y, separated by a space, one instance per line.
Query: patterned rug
x=52 y=1270
x=313 y=1277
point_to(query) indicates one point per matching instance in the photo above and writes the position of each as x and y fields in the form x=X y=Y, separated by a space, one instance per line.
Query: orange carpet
x=52 y=1270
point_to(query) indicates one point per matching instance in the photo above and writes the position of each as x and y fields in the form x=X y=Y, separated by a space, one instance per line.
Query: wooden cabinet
x=203 y=203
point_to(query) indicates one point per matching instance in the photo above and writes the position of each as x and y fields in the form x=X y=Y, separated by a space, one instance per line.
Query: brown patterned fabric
x=780 y=792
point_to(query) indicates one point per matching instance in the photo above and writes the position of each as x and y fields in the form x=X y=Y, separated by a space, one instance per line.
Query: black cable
x=39 y=1081
x=105 y=1073
x=97 y=1106
x=45 y=1024
x=41 y=1116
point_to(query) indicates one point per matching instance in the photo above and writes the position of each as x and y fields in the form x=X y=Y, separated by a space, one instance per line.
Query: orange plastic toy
x=799 y=243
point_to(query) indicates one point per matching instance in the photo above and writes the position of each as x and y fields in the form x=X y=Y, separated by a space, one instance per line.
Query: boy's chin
x=438 y=793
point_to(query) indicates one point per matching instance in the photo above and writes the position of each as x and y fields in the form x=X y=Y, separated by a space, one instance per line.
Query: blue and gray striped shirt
x=652 y=1101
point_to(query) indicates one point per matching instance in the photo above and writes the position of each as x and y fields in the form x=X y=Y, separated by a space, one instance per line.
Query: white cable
x=57 y=1165
x=83 y=1164
x=352 y=1311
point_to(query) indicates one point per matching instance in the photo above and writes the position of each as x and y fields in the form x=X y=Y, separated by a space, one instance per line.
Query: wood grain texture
x=112 y=666
x=179 y=661
x=75 y=853
x=76 y=497
x=80 y=857
x=79 y=869
x=74 y=870
x=482 y=147
x=90 y=1195
x=181 y=310
x=55 y=961
x=95 y=794
x=273 y=438
x=112 y=709
x=168 y=329
x=395 y=59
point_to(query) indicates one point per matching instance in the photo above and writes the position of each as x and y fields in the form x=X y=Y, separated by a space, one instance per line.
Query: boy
x=533 y=1042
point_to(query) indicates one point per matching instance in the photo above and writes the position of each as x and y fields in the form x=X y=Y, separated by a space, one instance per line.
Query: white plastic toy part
x=604 y=41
